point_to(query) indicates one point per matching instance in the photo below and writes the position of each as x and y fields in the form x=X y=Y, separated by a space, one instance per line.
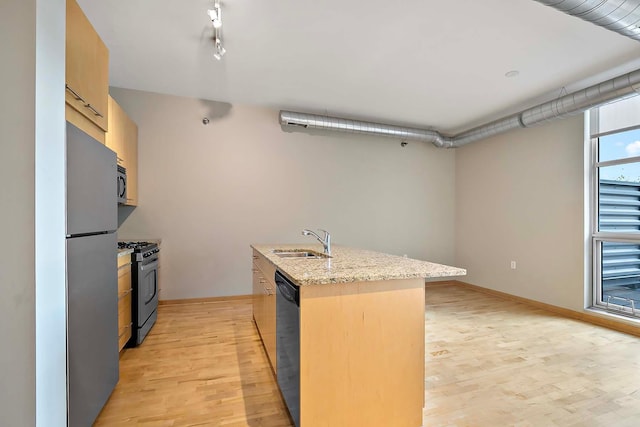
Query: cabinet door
x=98 y=91
x=124 y=300
x=131 y=156
x=264 y=294
x=114 y=137
x=269 y=310
x=124 y=320
x=87 y=68
x=258 y=298
x=122 y=138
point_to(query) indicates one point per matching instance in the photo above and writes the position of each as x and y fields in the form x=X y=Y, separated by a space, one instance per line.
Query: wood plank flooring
x=489 y=362
x=201 y=365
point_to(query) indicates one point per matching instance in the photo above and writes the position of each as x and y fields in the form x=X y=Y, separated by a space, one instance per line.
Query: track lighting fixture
x=219 y=50
x=215 y=15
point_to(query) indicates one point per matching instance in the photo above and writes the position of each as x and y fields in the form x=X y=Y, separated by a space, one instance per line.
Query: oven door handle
x=151 y=266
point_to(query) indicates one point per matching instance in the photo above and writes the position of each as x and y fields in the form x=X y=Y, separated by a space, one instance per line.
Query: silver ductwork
x=621 y=16
x=565 y=106
x=315 y=121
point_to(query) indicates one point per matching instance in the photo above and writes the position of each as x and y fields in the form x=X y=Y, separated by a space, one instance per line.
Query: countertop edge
x=350 y=265
x=123 y=252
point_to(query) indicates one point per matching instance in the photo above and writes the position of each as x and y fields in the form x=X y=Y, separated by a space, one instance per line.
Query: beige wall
x=17 y=266
x=520 y=196
x=32 y=257
x=210 y=191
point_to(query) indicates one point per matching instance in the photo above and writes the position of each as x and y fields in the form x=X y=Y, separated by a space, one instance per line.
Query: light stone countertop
x=123 y=252
x=352 y=265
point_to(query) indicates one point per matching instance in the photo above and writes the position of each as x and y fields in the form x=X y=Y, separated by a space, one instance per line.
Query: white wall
x=520 y=196
x=50 y=209
x=210 y=191
x=17 y=266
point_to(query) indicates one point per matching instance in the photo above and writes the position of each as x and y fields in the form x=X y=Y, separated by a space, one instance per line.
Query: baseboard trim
x=565 y=312
x=203 y=300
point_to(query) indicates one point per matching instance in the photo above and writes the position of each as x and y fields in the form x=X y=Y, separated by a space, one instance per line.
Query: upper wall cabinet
x=87 y=71
x=122 y=138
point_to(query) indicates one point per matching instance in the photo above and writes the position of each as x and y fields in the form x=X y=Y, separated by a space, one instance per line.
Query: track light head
x=215 y=15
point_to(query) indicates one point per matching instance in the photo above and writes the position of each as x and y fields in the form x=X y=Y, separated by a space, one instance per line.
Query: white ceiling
x=438 y=64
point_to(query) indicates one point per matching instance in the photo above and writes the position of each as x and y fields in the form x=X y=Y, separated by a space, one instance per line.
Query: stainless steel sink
x=299 y=253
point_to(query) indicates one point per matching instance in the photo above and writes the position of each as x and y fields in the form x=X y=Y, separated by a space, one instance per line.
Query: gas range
x=136 y=246
x=144 y=249
x=144 y=288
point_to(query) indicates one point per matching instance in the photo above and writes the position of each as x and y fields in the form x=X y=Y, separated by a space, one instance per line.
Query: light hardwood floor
x=201 y=365
x=492 y=362
x=489 y=362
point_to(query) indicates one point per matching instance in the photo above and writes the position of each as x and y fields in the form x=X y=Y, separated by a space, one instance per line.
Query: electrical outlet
x=513 y=265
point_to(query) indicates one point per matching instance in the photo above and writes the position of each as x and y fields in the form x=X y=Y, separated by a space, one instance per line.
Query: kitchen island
x=361 y=332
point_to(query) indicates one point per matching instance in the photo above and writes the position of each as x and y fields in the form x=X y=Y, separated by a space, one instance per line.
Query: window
x=616 y=209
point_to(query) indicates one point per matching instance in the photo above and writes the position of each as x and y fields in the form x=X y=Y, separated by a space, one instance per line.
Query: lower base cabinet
x=124 y=300
x=264 y=304
x=362 y=353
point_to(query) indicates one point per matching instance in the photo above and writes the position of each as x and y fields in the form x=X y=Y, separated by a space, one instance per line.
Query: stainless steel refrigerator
x=92 y=276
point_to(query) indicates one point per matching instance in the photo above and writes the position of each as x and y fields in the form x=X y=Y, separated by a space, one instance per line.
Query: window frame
x=599 y=237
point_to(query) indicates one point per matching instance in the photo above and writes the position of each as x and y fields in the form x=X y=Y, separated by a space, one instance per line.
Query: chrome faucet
x=326 y=241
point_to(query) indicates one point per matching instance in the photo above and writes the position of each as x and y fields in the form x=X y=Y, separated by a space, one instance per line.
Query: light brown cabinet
x=362 y=353
x=87 y=74
x=264 y=304
x=122 y=138
x=124 y=300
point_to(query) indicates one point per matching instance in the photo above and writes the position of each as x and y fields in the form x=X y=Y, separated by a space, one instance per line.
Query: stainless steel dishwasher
x=288 y=343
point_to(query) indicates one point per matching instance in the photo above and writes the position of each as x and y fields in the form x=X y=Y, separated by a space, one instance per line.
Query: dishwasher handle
x=287 y=289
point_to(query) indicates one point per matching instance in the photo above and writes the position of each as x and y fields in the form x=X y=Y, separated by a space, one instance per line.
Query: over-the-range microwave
x=122 y=185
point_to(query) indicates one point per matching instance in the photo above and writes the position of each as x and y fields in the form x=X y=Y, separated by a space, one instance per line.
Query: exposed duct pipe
x=574 y=103
x=621 y=16
x=315 y=121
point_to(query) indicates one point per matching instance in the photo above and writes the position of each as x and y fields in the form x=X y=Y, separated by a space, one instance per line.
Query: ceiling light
x=220 y=51
x=215 y=15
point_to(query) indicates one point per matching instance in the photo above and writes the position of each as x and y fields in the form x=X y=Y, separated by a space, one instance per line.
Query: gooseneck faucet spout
x=326 y=240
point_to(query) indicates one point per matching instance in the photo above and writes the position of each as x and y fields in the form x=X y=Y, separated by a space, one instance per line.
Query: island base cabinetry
x=264 y=304
x=362 y=354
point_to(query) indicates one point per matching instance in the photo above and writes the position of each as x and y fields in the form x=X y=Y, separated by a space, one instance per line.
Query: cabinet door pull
x=96 y=112
x=255 y=257
x=124 y=294
x=126 y=327
x=74 y=93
